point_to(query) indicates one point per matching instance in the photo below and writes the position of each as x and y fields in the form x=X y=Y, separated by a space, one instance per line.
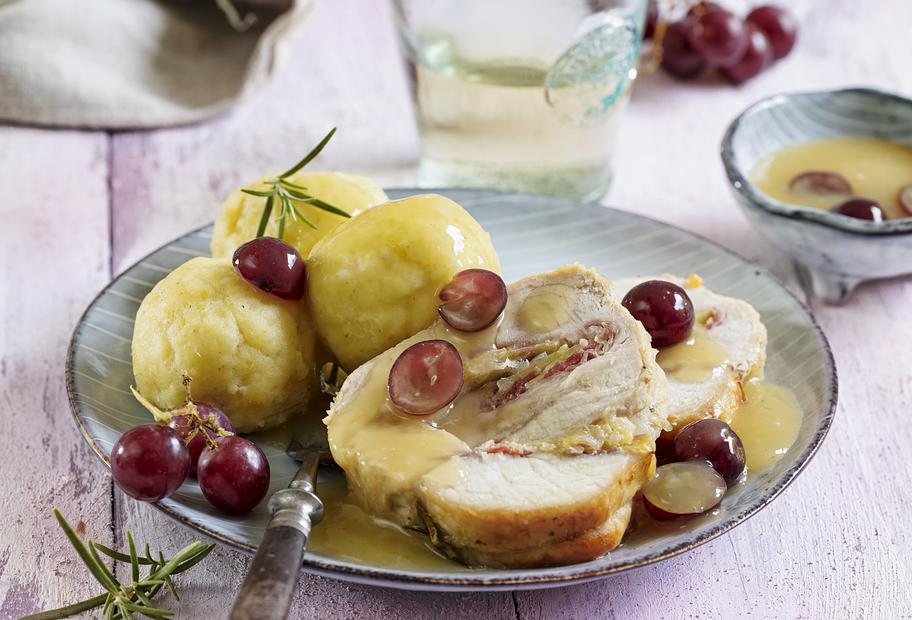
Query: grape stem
x=189 y=409
x=160 y=416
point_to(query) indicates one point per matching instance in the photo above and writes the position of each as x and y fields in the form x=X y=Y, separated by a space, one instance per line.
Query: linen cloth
x=136 y=63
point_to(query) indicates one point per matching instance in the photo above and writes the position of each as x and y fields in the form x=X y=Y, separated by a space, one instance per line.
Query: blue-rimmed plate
x=531 y=234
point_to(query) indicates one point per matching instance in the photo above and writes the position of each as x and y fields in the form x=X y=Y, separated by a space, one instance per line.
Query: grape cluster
x=149 y=462
x=709 y=36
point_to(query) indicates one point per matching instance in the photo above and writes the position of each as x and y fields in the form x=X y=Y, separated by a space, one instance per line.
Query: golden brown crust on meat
x=721 y=403
x=588 y=546
x=555 y=530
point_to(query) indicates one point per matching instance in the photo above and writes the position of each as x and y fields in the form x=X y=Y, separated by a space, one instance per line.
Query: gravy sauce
x=694 y=360
x=767 y=422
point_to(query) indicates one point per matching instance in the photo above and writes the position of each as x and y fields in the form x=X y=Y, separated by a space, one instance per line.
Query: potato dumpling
x=247 y=352
x=374 y=281
x=239 y=218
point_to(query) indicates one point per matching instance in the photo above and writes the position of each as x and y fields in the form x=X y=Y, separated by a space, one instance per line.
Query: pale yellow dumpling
x=374 y=281
x=247 y=352
x=239 y=218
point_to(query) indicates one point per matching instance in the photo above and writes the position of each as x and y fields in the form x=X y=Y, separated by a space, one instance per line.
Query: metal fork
x=267 y=590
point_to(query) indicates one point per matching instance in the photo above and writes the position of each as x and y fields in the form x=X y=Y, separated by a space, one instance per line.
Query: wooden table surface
x=80 y=206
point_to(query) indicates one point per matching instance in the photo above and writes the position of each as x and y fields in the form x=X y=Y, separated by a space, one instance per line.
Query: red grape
x=678 y=57
x=685 y=489
x=664 y=449
x=820 y=182
x=757 y=57
x=719 y=37
x=905 y=198
x=273 y=266
x=779 y=24
x=183 y=425
x=426 y=377
x=652 y=16
x=714 y=441
x=701 y=7
x=663 y=308
x=473 y=300
x=149 y=462
x=862 y=209
x=234 y=476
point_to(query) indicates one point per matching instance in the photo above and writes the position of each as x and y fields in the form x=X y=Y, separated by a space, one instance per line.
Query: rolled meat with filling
x=537 y=460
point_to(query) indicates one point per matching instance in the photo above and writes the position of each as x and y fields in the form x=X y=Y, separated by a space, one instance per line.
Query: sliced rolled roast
x=537 y=460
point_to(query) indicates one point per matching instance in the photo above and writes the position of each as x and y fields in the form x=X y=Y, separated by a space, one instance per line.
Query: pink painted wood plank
x=54 y=258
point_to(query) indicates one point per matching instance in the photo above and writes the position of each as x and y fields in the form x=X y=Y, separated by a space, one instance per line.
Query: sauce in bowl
x=876 y=169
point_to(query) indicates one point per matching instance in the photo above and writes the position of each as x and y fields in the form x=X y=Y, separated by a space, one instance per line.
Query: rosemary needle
x=284 y=193
x=122 y=600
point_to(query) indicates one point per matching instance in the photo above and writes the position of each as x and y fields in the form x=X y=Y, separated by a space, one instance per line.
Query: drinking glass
x=520 y=94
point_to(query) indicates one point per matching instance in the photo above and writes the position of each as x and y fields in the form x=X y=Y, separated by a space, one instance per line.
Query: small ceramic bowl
x=833 y=253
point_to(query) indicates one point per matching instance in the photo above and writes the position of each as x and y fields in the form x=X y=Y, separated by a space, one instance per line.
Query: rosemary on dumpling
x=286 y=193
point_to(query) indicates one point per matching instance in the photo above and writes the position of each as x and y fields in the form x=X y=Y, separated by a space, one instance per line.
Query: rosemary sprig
x=122 y=601
x=282 y=192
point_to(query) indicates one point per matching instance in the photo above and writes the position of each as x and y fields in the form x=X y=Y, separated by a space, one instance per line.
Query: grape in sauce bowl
x=834 y=253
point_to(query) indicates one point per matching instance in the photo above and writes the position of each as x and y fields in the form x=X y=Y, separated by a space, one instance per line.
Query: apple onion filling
x=507 y=388
x=596 y=339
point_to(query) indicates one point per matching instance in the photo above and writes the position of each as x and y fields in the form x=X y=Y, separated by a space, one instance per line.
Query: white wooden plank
x=54 y=257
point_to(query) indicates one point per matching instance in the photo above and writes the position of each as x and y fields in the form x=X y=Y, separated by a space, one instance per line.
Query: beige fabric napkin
x=136 y=63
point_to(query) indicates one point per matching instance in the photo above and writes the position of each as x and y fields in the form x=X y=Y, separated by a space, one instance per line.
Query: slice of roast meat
x=732 y=328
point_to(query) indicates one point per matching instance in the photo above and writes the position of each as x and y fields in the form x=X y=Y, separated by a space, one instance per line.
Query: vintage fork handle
x=269 y=585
